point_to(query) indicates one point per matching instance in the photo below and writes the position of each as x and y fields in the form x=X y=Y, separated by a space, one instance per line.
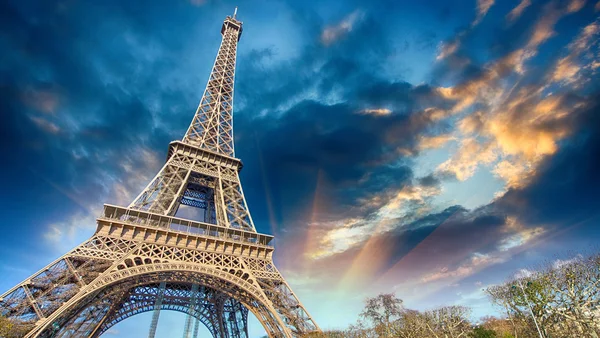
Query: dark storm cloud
x=357 y=153
x=89 y=100
x=564 y=189
x=347 y=147
x=104 y=99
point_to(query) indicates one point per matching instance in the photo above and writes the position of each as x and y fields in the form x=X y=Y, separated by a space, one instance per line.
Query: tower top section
x=212 y=126
x=234 y=23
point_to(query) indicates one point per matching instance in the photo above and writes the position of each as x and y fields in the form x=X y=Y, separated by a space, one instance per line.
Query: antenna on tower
x=235 y=12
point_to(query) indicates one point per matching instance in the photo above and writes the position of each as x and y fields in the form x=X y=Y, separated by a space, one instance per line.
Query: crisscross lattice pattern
x=215 y=269
x=212 y=126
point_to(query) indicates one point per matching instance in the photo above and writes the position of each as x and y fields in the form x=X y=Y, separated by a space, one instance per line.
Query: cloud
x=433 y=142
x=506 y=122
x=476 y=262
x=519 y=234
x=569 y=68
x=63 y=236
x=377 y=112
x=513 y=127
x=467 y=159
x=447 y=48
x=576 y=5
x=43 y=99
x=45 y=125
x=387 y=211
x=515 y=174
x=198 y=2
x=483 y=6
x=516 y=12
x=333 y=33
x=553 y=198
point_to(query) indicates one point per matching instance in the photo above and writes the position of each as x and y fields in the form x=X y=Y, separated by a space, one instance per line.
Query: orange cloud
x=447 y=48
x=468 y=157
x=514 y=130
x=340 y=235
x=520 y=235
x=568 y=68
x=433 y=142
x=376 y=112
x=483 y=6
x=515 y=174
x=518 y=11
x=472 y=123
x=576 y=5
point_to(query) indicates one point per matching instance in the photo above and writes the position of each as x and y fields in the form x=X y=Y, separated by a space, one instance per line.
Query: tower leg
x=188 y=322
x=157 y=306
x=196 y=327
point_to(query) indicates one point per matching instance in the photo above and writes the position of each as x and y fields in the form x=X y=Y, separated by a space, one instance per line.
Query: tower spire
x=212 y=125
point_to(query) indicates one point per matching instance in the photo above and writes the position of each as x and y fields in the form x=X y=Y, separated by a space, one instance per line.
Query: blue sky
x=427 y=149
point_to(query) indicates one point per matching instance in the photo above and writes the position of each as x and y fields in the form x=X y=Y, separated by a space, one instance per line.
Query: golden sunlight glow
x=376 y=112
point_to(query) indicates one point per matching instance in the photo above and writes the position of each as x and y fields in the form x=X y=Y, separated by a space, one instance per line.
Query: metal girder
x=212 y=125
x=143 y=258
x=157 y=307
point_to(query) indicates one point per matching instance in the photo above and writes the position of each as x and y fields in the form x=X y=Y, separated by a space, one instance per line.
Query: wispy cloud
x=376 y=111
x=62 y=236
x=433 y=142
x=333 y=33
x=516 y=12
x=475 y=263
x=519 y=235
x=198 y=2
x=44 y=100
x=45 y=125
x=483 y=6
x=569 y=68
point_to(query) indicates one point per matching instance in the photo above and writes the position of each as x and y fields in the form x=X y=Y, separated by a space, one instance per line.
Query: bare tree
x=563 y=298
x=382 y=311
x=411 y=324
x=448 y=321
x=576 y=297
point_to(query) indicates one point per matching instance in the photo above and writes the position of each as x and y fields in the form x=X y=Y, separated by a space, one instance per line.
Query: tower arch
x=92 y=314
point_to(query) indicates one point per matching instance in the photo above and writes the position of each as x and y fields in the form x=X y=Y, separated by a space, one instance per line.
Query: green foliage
x=481 y=332
x=5 y=326
x=11 y=329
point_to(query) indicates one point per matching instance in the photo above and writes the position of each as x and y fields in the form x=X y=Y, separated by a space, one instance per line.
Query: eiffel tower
x=143 y=258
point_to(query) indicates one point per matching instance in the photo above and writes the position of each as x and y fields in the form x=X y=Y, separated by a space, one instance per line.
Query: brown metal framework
x=143 y=258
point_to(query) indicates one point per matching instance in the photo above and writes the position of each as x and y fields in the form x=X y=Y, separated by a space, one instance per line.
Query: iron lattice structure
x=144 y=258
